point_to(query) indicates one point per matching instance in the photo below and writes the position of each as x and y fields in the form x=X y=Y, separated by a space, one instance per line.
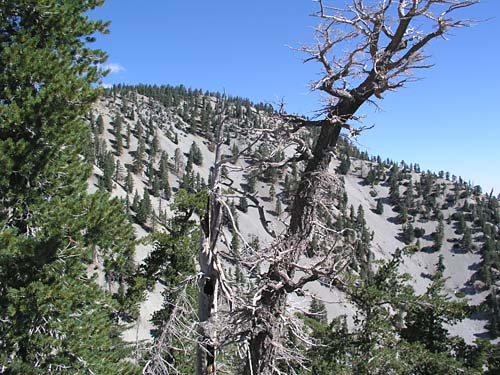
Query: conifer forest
x=164 y=229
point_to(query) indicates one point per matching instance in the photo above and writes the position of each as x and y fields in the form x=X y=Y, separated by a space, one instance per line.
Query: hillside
x=149 y=142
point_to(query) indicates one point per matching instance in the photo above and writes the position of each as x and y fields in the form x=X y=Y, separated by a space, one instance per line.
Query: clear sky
x=446 y=121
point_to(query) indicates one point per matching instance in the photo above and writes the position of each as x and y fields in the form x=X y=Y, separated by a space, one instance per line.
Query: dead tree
x=187 y=327
x=211 y=276
x=364 y=50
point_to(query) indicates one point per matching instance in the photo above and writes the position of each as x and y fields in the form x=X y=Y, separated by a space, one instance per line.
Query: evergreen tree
x=127 y=136
x=235 y=151
x=345 y=164
x=155 y=146
x=438 y=236
x=155 y=186
x=129 y=182
x=54 y=318
x=466 y=240
x=243 y=206
x=100 y=124
x=118 y=174
x=371 y=176
x=164 y=182
x=408 y=233
x=117 y=128
x=135 y=202
x=251 y=181
x=394 y=331
x=138 y=162
x=380 y=207
x=144 y=209
x=235 y=244
x=317 y=310
x=106 y=180
x=195 y=154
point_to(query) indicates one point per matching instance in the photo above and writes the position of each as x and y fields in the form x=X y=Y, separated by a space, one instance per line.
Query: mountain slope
x=402 y=206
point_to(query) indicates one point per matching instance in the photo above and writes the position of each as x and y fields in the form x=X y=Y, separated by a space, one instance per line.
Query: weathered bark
x=273 y=301
x=262 y=351
x=207 y=308
x=268 y=324
x=375 y=60
x=210 y=271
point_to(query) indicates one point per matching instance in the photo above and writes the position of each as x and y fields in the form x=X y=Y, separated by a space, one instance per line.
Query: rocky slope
x=447 y=222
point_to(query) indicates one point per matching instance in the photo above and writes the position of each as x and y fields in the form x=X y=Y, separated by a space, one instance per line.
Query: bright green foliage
x=172 y=262
x=53 y=316
x=426 y=318
x=395 y=331
x=108 y=170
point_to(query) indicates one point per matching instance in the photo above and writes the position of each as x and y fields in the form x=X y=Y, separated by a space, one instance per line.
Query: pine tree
x=195 y=154
x=317 y=310
x=106 y=181
x=129 y=182
x=164 y=182
x=408 y=233
x=117 y=128
x=155 y=146
x=243 y=206
x=54 y=317
x=395 y=331
x=139 y=155
x=118 y=173
x=345 y=164
x=127 y=136
x=155 y=186
x=235 y=244
x=466 y=240
x=100 y=124
x=135 y=202
x=144 y=208
x=438 y=236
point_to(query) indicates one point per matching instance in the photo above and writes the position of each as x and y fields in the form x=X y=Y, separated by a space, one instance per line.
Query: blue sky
x=446 y=121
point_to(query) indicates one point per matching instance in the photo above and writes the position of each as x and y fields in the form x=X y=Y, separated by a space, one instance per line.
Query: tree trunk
x=209 y=266
x=207 y=308
x=273 y=302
